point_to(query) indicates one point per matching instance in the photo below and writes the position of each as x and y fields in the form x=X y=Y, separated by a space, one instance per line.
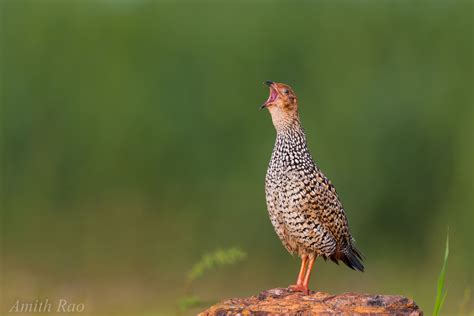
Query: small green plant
x=214 y=259
x=441 y=292
x=189 y=301
x=209 y=261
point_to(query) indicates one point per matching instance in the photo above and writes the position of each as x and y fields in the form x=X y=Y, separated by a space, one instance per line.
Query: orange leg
x=308 y=273
x=299 y=282
x=304 y=260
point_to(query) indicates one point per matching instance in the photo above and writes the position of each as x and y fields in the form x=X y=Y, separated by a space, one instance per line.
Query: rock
x=283 y=301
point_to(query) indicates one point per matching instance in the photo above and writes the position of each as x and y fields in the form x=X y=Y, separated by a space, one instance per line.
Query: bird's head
x=282 y=104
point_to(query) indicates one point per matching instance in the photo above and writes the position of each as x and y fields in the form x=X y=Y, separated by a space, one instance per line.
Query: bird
x=303 y=205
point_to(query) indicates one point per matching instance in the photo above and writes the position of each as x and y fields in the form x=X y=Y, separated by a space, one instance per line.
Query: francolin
x=303 y=204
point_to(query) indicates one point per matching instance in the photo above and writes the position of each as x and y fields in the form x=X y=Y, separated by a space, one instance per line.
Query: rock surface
x=282 y=301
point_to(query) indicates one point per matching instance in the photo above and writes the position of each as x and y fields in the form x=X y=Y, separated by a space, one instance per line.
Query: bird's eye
x=286 y=91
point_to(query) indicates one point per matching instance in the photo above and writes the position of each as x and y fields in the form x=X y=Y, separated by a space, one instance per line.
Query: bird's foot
x=299 y=288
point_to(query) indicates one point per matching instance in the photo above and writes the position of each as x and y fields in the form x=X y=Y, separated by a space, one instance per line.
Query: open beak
x=273 y=94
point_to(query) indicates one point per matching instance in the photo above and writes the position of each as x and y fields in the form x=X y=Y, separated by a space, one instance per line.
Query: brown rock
x=282 y=301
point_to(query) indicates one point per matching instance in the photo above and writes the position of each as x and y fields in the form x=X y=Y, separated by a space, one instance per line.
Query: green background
x=131 y=145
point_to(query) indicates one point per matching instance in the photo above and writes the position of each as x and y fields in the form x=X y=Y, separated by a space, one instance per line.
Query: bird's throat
x=285 y=123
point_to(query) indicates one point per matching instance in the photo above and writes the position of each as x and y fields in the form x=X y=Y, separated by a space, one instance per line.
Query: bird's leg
x=299 y=282
x=308 y=273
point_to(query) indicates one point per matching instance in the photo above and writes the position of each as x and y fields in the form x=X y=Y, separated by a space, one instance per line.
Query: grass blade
x=441 y=293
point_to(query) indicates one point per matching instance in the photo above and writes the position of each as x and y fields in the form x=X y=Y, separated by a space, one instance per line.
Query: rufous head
x=282 y=104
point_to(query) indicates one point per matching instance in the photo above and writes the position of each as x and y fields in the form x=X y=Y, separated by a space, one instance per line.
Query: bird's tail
x=352 y=258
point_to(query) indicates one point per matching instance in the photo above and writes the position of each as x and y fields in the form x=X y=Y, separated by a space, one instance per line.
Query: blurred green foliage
x=211 y=260
x=131 y=144
x=188 y=302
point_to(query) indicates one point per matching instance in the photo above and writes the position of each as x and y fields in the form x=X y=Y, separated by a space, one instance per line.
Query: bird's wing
x=314 y=197
x=327 y=206
x=304 y=195
x=322 y=203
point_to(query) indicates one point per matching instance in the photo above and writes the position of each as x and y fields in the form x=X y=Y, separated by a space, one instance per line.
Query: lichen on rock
x=284 y=301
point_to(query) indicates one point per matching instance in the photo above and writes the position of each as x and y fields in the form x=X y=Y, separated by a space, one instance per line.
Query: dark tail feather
x=352 y=258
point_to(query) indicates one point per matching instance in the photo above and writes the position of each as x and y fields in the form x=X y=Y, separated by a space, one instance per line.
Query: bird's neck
x=291 y=132
x=287 y=125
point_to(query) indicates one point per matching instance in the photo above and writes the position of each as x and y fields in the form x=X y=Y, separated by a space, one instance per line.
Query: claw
x=298 y=288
